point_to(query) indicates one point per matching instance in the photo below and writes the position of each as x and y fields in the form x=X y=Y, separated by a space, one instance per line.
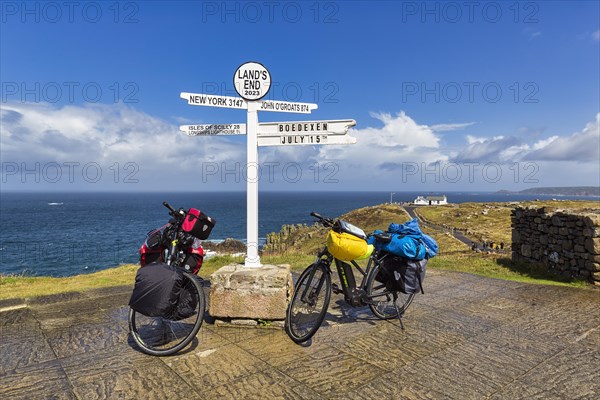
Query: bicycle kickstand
x=398 y=311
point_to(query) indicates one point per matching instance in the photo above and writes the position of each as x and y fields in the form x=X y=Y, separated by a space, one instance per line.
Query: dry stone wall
x=567 y=242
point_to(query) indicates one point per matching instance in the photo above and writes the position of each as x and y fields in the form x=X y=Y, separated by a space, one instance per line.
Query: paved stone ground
x=468 y=337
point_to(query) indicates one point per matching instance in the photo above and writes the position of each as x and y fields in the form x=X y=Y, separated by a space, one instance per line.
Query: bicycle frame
x=354 y=295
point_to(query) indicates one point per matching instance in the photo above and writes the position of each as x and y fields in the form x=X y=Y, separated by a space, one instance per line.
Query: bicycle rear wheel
x=309 y=304
x=160 y=336
x=383 y=298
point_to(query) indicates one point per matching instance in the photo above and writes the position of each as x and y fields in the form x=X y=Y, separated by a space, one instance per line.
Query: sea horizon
x=69 y=233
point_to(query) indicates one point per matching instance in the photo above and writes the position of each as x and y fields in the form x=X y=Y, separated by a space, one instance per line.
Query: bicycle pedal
x=335 y=289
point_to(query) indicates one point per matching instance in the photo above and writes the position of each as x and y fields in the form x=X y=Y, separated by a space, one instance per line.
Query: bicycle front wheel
x=382 y=298
x=163 y=336
x=309 y=304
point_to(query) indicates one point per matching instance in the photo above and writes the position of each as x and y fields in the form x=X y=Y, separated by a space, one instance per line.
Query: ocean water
x=63 y=234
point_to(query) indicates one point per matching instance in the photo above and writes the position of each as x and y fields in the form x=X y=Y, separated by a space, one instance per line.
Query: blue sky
x=446 y=96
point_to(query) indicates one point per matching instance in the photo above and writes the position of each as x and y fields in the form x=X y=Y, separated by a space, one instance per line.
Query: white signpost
x=252 y=82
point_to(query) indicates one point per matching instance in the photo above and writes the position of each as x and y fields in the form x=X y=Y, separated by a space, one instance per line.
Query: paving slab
x=468 y=337
x=44 y=380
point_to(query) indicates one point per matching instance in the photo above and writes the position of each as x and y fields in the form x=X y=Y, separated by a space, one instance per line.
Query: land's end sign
x=252 y=81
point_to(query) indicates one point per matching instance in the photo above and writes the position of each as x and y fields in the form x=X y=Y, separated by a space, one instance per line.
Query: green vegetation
x=490 y=221
x=501 y=267
x=22 y=286
x=561 y=191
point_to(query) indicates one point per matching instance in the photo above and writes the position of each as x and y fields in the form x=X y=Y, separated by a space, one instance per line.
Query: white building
x=430 y=200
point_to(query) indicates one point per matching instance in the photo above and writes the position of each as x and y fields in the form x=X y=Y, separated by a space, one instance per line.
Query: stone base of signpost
x=250 y=296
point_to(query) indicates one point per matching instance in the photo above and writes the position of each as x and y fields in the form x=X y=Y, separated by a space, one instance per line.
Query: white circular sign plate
x=252 y=81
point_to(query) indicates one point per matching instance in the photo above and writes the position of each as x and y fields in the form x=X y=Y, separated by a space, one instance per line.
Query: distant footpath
x=559 y=191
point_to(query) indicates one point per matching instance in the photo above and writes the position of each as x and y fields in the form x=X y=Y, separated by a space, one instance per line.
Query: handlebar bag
x=157 y=290
x=343 y=226
x=198 y=224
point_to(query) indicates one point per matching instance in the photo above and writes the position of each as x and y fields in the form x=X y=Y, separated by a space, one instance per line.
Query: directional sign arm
x=333 y=127
x=209 y=100
x=286 y=106
x=213 y=129
x=304 y=140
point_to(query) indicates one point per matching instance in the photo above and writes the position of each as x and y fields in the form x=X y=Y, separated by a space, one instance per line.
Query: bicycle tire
x=152 y=334
x=298 y=328
x=385 y=308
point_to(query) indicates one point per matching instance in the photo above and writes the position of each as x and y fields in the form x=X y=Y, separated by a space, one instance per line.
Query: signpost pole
x=272 y=282
x=252 y=258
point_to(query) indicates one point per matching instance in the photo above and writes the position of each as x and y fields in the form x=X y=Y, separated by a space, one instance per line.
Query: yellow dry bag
x=346 y=247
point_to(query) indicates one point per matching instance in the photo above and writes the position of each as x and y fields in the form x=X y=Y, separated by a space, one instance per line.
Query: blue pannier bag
x=408 y=241
x=406 y=246
x=412 y=228
x=431 y=245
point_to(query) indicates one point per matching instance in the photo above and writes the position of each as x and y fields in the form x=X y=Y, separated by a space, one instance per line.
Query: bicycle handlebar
x=322 y=220
x=169 y=207
x=178 y=215
x=382 y=237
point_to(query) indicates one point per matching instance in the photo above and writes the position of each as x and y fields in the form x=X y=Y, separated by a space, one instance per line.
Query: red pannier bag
x=194 y=257
x=193 y=260
x=198 y=224
x=152 y=249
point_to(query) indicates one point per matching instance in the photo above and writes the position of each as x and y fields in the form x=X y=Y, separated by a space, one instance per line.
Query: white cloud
x=450 y=127
x=499 y=148
x=596 y=35
x=535 y=34
x=384 y=149
x=543 y=143
x=167 y=159
x=107 y=134
x=583 y=146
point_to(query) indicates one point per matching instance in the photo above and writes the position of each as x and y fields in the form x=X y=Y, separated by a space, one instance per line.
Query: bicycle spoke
x=164 y=336
x=307 y=309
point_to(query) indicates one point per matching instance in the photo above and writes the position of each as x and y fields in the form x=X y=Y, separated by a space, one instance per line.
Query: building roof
x=436 y=198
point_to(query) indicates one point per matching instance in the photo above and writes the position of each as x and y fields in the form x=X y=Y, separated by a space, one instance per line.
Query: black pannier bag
x=198 y=224
x=402 y=274
x=157 y=290
x=187 y=303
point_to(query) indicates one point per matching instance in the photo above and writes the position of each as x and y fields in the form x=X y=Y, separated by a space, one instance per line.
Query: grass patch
x=21 y=286
x=490 y=221
x=493 y=266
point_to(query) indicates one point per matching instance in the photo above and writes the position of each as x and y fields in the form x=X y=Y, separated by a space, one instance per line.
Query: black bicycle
x=312 y=293
x=170 y=244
